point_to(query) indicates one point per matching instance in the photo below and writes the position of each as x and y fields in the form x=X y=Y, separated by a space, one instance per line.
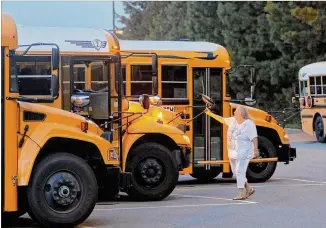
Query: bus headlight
x=160 y=118
x=185 y=137
x=286 y=136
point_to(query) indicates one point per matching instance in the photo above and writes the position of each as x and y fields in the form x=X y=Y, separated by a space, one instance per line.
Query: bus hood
x=256 y=113
x=55 y=115
x=156 y=112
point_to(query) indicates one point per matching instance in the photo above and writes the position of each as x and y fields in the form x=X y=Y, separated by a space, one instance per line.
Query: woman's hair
x=244 y=112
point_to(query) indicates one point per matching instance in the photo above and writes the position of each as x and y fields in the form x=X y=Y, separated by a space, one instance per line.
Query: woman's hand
x=256 y=153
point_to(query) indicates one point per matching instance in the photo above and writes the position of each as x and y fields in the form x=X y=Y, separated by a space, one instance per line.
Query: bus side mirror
x=144 y=101
x=55 y=58
x=154 y=75
x=294 y=100
x=251 y=101
x=55 y=86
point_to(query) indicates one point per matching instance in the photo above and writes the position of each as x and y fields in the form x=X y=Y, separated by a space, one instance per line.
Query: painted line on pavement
x=255 y=186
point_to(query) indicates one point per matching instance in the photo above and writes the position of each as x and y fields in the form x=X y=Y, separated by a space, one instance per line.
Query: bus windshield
x=303 y=88
x=87 y=74
x=33 y=73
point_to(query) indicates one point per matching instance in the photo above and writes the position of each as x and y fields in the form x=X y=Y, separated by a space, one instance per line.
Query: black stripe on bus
x=324 y=116
x=306 y=116
x=172 y=102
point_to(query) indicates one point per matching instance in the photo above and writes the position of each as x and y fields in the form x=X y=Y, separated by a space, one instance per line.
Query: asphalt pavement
x=293 y=197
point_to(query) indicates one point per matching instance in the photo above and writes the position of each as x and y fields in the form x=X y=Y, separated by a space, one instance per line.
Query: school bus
x=53 y=161
x=152 y=151
x=187 y=71
x=312 y=97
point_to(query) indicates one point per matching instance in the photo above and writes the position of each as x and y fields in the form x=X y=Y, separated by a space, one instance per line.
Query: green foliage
x=278 y=38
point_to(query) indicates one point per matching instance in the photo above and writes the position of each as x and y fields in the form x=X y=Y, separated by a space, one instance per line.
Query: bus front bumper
x=118 y=179
x=286 y=153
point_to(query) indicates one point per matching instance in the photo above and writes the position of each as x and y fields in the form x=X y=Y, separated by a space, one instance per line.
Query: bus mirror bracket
x=55 y=58
x=154 y=74
x=55 y=86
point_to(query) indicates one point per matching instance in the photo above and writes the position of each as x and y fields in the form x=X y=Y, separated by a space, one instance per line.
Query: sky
x=63 y=13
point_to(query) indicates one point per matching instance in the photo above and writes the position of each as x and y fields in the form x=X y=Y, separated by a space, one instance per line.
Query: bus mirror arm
x=55 y=86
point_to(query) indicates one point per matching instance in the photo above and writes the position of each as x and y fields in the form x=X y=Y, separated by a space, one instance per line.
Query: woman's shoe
x=240 y=198
x=250 y=192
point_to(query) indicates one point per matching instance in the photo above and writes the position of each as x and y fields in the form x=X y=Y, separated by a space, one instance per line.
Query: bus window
x=227 y=84
x=312 y=86
x=34 y=74
x=318 y=85
x=303 y=89
x=79 y=80
x=324 y=85
x=141 y=79
x=123 y=72
x=79 y=76
x=99 y=76
x=174 y=82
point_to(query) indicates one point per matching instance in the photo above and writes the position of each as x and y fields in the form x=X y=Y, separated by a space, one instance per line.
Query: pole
x=113 y=16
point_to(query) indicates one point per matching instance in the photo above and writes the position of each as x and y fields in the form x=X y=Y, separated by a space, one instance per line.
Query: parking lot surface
x=293 y=197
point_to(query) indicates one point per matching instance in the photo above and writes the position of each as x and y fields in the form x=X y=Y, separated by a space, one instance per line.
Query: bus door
x=73 y=79
x=207 y=133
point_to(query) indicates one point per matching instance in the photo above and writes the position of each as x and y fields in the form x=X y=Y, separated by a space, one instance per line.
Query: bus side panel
x=307 y=117
x=41 y=135
x=226 y=112
x=10 y=121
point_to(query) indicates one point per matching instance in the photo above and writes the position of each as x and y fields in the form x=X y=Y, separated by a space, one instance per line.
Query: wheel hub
x=64 y=192
x=151 y=171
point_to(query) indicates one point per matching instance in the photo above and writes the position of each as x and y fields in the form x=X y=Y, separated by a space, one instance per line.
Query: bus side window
x=99 y=79
x=324 y=85
x=141 y=79
x=312 y=86
x=174 y=81
x=34 y=75
x=318 y=85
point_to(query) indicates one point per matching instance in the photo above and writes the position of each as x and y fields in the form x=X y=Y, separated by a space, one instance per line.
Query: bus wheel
x=154 y=172
x=261 y=172
x=62 y=191
x=320 y=130
x=204 y=175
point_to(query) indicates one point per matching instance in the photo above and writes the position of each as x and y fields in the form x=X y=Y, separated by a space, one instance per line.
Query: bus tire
x=261 y=172
x=201 y=174
x=154 y=172
x=62 y=191
x=320 y=130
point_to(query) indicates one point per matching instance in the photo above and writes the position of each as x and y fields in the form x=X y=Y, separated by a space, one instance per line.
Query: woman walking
x=242 y=146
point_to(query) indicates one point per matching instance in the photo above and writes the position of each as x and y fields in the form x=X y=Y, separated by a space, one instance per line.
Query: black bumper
x=117 y=179
x=183 y=157
x=286 y=153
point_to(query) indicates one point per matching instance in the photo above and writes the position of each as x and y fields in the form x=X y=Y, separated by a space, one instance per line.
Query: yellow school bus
x=186 y=71
x=153 y=151
x=312 y=97
x=53 y=161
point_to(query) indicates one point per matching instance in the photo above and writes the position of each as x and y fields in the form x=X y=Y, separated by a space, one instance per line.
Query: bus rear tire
x=154 y=171
x=63 y=190
x=261 y=172
x=320 y=130
x=201 y=174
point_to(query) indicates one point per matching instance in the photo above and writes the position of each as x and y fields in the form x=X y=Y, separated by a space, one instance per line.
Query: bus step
x=255 y=160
